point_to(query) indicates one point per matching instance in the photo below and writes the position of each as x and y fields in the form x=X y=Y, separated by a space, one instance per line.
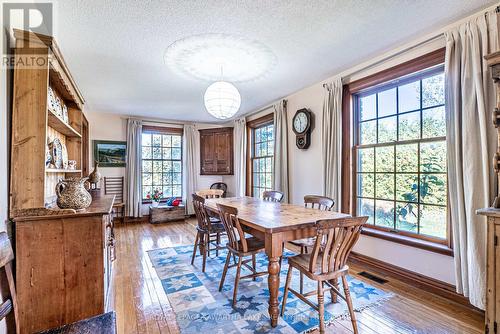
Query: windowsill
x=409 y=241
x=148 y=201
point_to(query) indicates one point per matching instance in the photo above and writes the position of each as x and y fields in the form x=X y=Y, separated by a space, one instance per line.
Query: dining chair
x=210 y=193
x=220 y=185
x=100 y=324
x=335 y=239
x=208 y=231
x=114 y=186
x=239 y=245
x=272 y=196
x=313 y=202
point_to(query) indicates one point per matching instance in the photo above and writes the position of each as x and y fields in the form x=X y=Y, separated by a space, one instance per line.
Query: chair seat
x=254 y=245
x=101 y=324
x=307 y=242
x=301 y=262
x=214 y=228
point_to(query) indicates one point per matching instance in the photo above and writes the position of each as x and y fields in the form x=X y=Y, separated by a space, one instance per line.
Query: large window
x=262 y=158
x=161 y=161
x=400 y=151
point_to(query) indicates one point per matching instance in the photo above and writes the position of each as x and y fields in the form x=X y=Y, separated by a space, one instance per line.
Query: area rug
x=199 y=306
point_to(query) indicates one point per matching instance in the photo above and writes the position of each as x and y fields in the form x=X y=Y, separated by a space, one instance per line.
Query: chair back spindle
x=201 y=213
x=272 y=196
x=114 y=186
x=318 y=202
x=335 y=240
x=234 y=231
x=210 y=193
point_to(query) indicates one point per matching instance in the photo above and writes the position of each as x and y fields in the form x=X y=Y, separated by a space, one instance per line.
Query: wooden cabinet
x=35 y=122
x=216 y=151
x=63 y=266
x=492 y=269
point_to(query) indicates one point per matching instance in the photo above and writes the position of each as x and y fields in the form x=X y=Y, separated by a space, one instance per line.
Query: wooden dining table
x=275 y=223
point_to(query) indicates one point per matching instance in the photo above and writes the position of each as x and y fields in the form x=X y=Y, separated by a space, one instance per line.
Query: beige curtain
x=240 y=155
x=469 y=101
x=190 y=165
x=281 y=149
x=134 y=177
x=332 y=141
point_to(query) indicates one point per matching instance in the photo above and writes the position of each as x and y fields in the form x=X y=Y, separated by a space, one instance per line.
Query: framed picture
x=110 y=153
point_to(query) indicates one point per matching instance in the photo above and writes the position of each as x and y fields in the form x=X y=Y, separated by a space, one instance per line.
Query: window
x=261 y=156
x=161 y=161
x=400 y=151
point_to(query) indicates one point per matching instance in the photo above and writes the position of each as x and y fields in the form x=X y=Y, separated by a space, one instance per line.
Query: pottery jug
x=95 y=176
x=71 y=194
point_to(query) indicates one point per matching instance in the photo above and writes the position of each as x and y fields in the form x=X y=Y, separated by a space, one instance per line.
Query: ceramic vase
x=71 y=194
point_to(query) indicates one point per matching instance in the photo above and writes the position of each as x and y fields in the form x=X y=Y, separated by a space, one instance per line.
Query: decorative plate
x=64 y=153
x=65 y=114
x=51 y=99
x=56 y=151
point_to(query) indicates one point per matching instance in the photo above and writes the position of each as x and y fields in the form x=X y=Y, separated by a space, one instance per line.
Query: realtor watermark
x=28 y=25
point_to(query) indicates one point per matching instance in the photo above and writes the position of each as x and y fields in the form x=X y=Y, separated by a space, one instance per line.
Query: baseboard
x=423 y=282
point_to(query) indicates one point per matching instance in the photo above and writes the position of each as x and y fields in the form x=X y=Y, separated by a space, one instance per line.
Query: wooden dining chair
x=220 y=185
x=208 y=231
x=335 y=239
x=313 y=202
x=272 y=196
x=210 y=193
x=114 y=186
x=101 y=324
x=240 y=246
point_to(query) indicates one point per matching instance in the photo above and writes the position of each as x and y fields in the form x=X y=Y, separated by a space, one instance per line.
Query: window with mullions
x=161 y=163
x=262 y=159
x=401 y=181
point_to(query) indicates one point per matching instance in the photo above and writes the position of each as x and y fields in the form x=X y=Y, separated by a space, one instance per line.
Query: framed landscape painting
x=110 y=153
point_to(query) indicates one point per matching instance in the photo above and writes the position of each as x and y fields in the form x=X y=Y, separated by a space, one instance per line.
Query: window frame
x=349 y=124
x=164 y=131
x=263 y=121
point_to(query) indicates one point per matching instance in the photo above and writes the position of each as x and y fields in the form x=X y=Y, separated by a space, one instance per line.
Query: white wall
x=105 y=126
x=306 y=174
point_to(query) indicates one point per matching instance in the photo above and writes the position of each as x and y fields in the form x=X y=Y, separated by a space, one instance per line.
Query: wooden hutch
x=63 y=257
x=492 y=314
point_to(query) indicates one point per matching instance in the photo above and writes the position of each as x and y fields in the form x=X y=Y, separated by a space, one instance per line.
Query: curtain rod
x=269 y=106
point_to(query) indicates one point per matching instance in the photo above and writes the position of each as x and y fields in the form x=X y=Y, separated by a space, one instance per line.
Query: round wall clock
x=302 y=128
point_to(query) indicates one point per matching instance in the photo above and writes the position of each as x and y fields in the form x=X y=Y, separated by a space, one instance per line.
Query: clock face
x=300 y=122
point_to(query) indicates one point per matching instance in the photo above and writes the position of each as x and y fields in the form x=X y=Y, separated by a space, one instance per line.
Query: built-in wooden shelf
x=61 y=170
x=58 y=124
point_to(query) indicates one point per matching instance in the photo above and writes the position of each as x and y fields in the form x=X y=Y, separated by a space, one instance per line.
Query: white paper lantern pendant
x=222 y=99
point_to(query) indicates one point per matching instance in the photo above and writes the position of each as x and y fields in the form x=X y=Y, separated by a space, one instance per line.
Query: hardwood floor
x=142 y=306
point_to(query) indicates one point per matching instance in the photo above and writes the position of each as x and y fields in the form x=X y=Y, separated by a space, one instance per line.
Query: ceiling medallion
x=202 y=57
x=224 y=59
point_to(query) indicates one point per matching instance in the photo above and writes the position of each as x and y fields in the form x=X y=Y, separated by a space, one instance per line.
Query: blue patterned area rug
x=199 y=306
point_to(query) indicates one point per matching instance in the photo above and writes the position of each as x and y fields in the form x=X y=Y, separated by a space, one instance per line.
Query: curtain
x=190 y=165
x=281 y=149
x=240 y=155
x=332 y=141
x=469 y=101
x=134 y=177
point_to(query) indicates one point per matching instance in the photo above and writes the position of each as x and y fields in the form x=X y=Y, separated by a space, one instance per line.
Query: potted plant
x=155 y=197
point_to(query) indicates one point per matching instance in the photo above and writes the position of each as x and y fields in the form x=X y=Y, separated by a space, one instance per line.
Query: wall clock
x=302 y=128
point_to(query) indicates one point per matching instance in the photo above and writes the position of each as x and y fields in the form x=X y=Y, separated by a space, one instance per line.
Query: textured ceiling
x=115 y=49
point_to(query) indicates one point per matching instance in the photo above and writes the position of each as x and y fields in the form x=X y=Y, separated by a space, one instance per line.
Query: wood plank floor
x=142 y=307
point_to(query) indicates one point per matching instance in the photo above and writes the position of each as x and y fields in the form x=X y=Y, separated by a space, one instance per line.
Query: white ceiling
x=115 y=49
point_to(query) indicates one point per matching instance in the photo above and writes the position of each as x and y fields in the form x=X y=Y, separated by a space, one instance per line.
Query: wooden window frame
x=164 y=131
x=251 y=126
x=348 y=201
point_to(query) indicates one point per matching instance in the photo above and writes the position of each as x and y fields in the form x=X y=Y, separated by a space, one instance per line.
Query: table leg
x=274 y=250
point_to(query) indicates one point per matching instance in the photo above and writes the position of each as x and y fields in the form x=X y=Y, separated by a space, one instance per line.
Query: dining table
x=275 y=223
